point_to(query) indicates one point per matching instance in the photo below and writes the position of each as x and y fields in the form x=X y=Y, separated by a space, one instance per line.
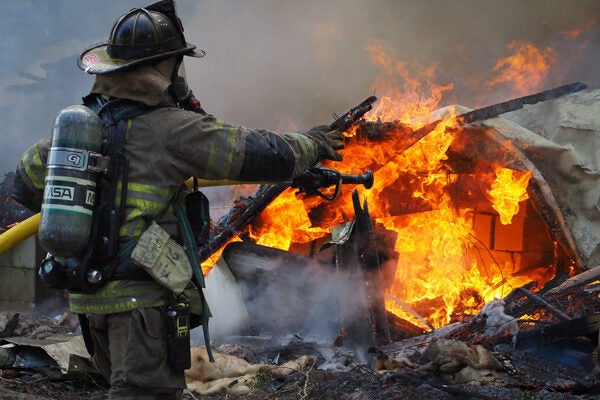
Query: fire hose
x=18 y=233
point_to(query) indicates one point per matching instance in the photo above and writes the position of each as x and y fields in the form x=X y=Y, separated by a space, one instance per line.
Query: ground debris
x=404 y=380
x=417 y=372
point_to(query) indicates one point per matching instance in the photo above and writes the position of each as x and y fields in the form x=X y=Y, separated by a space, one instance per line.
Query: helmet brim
x=95 y=60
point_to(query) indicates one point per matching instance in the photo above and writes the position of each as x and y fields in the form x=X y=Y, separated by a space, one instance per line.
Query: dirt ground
x=357 y=384
x=306 y=385
x=352 y=382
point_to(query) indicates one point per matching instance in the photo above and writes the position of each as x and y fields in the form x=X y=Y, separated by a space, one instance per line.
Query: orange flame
x=526 y=69
x=508 y=190
x=437 y=274
x=576 y=32
x=406 y=97
x=434 y=273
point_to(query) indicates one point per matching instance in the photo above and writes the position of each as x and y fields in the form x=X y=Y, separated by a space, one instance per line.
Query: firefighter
x=173 y=140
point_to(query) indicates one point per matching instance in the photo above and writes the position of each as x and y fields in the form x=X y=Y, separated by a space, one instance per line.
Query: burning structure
x=459 y=217
x=468 y=213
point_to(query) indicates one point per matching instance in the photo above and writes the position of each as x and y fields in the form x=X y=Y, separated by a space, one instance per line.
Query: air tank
x=70 y=187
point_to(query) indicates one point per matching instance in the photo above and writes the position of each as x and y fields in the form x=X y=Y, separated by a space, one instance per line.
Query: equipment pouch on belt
x=163 y=258
x=178 y=341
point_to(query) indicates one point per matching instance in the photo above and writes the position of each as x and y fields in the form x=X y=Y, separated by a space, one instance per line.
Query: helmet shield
x=179 y=87
x=142 y=35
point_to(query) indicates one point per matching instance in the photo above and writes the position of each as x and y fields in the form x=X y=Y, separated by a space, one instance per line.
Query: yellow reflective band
x=111 y=290
x=211 y=159
x=112 y=307
x=32 y=159
x=146 y=202
x=306 y=145
x=113 y=297
x=221 y=161
x=133 y=224
x=222 y=182
x=132 y=228
x=147 y=207
x=132 y=201
x=128 y=128
x=145 y=188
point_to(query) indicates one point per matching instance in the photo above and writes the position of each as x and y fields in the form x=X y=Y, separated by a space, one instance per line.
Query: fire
x=434 y=274
x=285 y=221
x=526 y=69
x=576 y=32
x=406 y=97
x=508 y=190
x=440 y=271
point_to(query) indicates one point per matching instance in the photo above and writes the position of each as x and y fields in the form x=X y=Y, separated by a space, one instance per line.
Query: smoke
x=278 y=294
x=289 y=65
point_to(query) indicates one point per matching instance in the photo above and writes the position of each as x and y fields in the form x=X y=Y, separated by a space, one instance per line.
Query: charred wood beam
x=369 y=258
x=577 y=281
x=244 y=210
x=497 y=109
x=364 y=318
x=516 y=104
x=539 y=300
x=409 y=309
x=537 y=370
x=420 y=341
x=401 y=329
x=574 y=303
x=410 y=137
x=566 y=301
x=559 y=331
x=354 y=311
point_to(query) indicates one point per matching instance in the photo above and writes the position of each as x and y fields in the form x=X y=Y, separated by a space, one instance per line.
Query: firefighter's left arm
x=28 y=186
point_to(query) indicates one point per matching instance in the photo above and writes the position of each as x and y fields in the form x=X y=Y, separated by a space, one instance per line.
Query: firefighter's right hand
x=328 y=142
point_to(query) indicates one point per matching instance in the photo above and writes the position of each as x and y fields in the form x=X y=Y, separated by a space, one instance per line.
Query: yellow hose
x=19 y=232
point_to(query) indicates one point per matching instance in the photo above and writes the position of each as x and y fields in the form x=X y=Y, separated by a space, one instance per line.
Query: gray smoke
x=276 y=294
x=287 y=65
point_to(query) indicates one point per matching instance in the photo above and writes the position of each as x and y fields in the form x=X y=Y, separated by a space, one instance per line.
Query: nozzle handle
x=366 y=179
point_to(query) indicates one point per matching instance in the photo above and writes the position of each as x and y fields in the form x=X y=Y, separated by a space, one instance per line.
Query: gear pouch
x=163 y=258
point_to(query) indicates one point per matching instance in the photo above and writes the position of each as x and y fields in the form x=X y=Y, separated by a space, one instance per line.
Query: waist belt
x=127 y=269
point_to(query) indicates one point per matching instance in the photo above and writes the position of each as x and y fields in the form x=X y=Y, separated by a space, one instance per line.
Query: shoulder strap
x=190 y=245
x=108 y=216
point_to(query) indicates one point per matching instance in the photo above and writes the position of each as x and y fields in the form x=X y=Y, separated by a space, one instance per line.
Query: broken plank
x=410 y=138
x=559 y=331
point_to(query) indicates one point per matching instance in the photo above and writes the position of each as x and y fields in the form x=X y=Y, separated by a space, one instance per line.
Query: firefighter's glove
x=328 y=142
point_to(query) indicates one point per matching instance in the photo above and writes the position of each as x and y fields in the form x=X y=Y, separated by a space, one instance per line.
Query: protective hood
x=145 y=83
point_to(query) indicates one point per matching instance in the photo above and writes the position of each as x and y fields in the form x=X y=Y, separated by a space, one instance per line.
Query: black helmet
x=139 y=36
